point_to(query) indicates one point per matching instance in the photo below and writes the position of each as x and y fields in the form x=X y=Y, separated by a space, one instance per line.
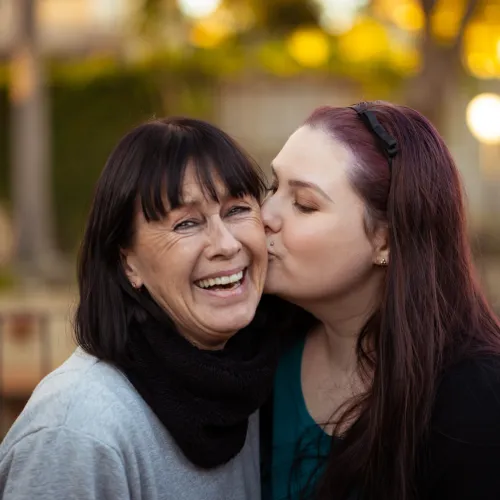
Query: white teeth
x=220 y=280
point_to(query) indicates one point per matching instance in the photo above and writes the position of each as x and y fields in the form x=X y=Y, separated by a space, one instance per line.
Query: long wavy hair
x=432 y=311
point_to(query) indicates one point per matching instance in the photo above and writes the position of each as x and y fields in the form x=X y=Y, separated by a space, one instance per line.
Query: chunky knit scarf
x=204 y=398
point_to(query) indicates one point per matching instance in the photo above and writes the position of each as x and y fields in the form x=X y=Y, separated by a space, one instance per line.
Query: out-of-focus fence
x=34 y=340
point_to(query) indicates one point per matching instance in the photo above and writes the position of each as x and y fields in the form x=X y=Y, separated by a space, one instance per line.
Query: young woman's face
x=315 y=223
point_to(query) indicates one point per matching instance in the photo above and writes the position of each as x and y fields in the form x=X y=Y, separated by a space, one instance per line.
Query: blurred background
x=77 y=74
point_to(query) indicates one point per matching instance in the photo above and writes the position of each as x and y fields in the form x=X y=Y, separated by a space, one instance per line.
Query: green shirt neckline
x=300 y=445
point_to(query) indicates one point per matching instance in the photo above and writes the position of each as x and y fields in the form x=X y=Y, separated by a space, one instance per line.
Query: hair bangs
x=215 y=162
x=223 y=163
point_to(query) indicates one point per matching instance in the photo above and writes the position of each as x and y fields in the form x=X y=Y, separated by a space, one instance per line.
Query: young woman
x=390 y=388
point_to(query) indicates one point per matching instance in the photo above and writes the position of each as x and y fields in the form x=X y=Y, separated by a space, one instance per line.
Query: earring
x=382 y=262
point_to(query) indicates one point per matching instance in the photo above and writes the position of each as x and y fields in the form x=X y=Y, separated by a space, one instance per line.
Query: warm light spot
x=383 y=8
x=198 y=8
x=481 y=49
x=275 y=60
x=208 y=33
x=447 y=18
x=338 y=16
x=481 y=65
x=405 y=14
x=408 y=15
x=310 y=47
x=368 y=40
x=445 y=24
x=483 y=118
x=405 y=59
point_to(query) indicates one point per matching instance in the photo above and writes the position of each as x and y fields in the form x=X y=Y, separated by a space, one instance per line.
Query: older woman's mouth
x=223 y=281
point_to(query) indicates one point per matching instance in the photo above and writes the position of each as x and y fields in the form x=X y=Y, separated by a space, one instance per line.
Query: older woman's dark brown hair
x=160 y=399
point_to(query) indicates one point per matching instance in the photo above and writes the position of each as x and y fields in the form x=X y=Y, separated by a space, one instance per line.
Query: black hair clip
x=388 y=142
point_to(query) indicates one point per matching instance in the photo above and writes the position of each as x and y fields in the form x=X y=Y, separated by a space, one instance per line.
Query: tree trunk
x=441 y=69
x=30 y=151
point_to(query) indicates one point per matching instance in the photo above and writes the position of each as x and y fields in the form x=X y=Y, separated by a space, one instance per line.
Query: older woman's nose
x=223 y=242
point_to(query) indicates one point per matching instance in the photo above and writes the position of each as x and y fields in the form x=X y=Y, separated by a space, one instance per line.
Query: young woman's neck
x=341 y=322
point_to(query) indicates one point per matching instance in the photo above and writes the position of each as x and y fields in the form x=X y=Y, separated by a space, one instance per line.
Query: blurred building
x=70 y=27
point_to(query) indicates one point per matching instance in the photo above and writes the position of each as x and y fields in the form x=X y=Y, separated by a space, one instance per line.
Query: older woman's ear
x=131 y=269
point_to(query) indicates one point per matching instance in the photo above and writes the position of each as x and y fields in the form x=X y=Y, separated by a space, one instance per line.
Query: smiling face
x=314 y=220
x=204 y=263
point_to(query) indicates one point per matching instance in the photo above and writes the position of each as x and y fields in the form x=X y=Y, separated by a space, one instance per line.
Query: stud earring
x=383 y=262
x=271 y=244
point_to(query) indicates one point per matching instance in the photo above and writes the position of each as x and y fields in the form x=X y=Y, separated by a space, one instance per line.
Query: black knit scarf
x=203 y=398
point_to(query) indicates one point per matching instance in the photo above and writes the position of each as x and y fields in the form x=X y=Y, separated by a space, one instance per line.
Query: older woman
x=159 y=400
x=390 y=386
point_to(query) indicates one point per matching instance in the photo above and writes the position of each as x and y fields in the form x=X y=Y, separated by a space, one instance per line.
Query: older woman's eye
x=238 y=210
x=185 y=224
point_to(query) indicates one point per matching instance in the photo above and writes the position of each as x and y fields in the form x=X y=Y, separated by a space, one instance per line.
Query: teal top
x=300 y=445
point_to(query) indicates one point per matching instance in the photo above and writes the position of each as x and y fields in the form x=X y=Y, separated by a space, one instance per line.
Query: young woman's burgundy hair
x=432 y=310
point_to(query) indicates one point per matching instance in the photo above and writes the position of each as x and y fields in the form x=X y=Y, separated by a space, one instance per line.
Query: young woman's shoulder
x=467 y=405
x=463 y=453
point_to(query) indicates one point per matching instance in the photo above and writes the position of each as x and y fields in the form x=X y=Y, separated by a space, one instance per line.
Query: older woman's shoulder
x=467 y=406
x=87 y=396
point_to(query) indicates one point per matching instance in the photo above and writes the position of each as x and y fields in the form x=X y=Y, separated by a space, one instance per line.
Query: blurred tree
x=279 y=17
x=440 y=43
x=423 y=41
x=30 y=151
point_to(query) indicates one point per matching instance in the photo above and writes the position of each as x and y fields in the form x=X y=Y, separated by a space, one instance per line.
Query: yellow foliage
x=446 y=19
x=310 y=47
x=408 y=15
x=406 y=60
x=366 y=41
x=405 y=14
x=272 y=58
x=209 y=32
x=481 y=48
x=383 y=8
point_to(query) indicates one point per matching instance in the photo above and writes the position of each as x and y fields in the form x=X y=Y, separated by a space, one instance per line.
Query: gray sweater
x=86 y=434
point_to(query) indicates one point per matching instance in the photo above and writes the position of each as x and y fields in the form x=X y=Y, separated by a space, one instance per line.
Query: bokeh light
x=408 y=15
x=446 y=19
x=405 y=14
x=211 y=30
x=481 y=48
x=338 y=16
x=483 y=118
x=198 y=8
x=310 y=47
x=367 y=41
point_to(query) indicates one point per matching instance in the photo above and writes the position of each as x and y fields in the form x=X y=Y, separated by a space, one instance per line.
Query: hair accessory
x=386 y=140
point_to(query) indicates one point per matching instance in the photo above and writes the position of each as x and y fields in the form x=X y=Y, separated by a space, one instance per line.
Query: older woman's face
x=205 y=263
